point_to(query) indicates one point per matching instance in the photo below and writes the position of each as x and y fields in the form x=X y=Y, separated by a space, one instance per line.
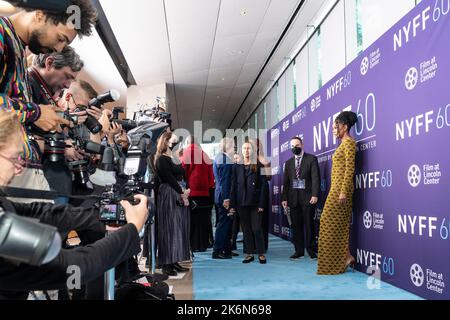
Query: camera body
x=111 y=212
x=138 y=174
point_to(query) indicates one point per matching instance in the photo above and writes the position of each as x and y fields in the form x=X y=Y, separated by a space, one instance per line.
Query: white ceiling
x=99 y=69
x=205 y=50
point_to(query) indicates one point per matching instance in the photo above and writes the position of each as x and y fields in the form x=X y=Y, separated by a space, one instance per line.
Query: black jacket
x=93 y=260
x=309 y=171
x=248 y=188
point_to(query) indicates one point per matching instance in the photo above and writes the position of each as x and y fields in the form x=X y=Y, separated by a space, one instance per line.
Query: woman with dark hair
x=334 y=255
x=172 y=208
x=248 y=197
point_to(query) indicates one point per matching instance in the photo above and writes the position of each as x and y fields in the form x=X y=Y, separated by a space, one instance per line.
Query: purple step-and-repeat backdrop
x=400 y=89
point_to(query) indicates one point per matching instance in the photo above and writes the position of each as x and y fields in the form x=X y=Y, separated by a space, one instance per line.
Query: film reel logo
x=414 y=176
x=367 y=219
x=417 y=275
x=411 y=78
x=364 y=66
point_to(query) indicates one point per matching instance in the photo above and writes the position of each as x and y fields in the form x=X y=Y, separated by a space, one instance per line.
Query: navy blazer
x=222 y=167
x=248 y=188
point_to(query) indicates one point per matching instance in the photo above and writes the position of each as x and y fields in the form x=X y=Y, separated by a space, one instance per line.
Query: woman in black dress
x=172 y=208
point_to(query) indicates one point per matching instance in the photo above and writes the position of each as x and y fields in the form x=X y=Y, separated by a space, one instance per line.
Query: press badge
x=299 y=184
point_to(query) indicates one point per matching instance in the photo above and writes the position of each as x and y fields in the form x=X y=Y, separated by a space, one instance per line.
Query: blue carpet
x=281 y=279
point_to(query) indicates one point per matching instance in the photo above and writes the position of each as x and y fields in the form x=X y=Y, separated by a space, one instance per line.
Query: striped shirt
x=15 y=92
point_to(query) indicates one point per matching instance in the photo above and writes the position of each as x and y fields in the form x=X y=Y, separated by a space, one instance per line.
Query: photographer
x=92 y=260
x=42 y=32
x=78 y=96
x=49 y=75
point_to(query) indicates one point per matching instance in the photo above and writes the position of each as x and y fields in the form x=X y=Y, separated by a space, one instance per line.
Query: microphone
x=53 y=6
x=110 y=96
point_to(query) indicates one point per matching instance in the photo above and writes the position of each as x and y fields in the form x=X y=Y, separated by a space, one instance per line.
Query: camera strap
x=44 y=88
x=50 y=195
x=38 y=194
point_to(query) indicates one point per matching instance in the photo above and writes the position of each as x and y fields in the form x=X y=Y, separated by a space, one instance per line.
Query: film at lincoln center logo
x=364 y=66
x=414 y=176
x=411 y=78
x=417 y=275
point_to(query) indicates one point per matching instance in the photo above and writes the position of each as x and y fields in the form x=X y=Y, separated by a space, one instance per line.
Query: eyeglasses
x=16 y=161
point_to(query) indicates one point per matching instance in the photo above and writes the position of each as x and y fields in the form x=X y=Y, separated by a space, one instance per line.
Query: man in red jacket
x=200 y=179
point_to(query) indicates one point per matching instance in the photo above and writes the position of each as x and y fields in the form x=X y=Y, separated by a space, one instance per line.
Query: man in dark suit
x=301 y=185
x=222 y=167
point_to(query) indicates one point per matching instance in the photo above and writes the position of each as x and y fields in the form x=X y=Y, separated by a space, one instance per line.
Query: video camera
x=137 y=170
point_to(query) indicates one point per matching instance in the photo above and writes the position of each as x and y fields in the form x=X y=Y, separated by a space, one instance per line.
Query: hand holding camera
x=95 y=112
x=49 y=119
x=137 y=214
x=79 y=117
x=71 y=153
x=114 y=130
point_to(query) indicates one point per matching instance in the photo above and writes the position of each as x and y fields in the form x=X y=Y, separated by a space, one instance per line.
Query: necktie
x=297 y=168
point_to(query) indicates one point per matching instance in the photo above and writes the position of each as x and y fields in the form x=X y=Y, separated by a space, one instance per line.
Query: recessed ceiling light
x=243 y=12
x=223 y=79
x=218 y=97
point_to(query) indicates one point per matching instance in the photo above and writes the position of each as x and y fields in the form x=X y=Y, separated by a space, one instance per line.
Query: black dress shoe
x=312 y=255
x=248 y=259
x=234 y=254
x=296 y=256
x=262 y=259
x=169 y=270
x=220 y=256
x=179 y=268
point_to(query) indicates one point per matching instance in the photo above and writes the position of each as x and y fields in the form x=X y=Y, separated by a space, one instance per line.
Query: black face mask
x=297 y=151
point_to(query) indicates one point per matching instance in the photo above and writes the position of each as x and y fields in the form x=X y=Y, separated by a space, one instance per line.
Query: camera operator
x=92 y=260
x=42 y=32
x=50 y=74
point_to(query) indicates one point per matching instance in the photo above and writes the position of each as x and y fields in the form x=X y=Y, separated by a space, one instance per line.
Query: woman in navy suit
x=248 y=197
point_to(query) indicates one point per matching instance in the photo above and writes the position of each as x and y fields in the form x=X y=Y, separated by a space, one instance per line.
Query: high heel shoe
x=350 y=263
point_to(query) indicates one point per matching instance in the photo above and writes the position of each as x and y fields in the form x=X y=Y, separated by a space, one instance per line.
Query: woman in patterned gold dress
x=334 y=256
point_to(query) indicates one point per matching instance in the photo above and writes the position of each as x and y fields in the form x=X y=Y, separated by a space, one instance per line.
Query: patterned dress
x=335 y=220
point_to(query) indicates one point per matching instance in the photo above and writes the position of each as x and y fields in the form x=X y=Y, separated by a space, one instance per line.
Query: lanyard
x=44 y=89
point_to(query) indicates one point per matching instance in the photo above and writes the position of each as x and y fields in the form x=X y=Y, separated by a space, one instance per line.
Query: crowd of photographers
x=52 y=127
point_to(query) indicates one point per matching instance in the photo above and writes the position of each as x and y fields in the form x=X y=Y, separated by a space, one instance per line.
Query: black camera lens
x=55 y=145
x=93 y=125
x=80 y=170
